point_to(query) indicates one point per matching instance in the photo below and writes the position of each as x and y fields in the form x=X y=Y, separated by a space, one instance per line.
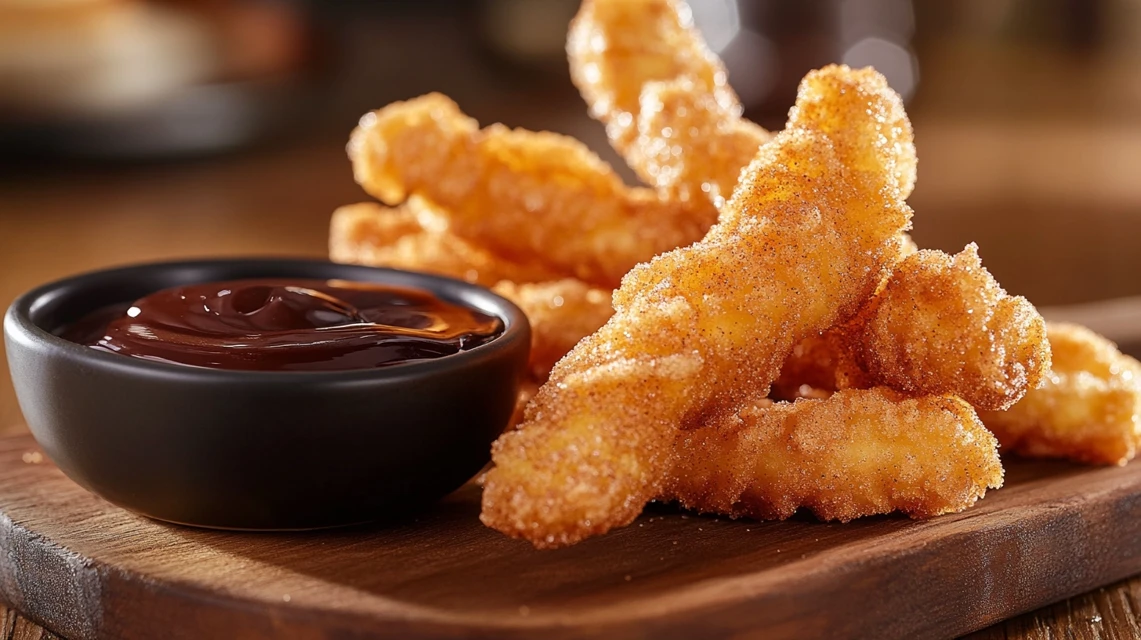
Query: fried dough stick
x=561 y=313
x=1089 y=408
x=943 y=324
x=940 y=325
x=525 y=196
x=617 y=47
x=802 y=244
x=856 y=453
x=415 y=236
x=646 y=72
x=819 y=365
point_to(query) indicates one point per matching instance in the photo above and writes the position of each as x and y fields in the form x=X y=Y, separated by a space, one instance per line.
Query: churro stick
x=646 y=72
x=415 y=236
x=561 y=313
x=525 y=196
x=856 y=453
x=939 y=325
x=803 y=243
x=1088 y=409
x=943 y=324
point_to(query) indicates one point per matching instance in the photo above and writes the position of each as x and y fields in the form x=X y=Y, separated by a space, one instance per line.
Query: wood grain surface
x=85 y=569
x=14 y=626
x=1109 y=613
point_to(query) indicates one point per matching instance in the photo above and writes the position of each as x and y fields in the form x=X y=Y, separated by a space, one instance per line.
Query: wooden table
x=278 y=202
x=1111 y=612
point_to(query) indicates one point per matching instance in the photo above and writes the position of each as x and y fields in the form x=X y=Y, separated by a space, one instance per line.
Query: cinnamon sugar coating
x=856 y=453
x=1088 y=408
x=943 y=324
x=561 y=313
x=802 y=244
x=664 y=96
x=526 y=196
x=939 y=324
x=415 y=236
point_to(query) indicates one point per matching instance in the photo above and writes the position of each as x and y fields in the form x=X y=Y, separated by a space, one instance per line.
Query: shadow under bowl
x=259 y=450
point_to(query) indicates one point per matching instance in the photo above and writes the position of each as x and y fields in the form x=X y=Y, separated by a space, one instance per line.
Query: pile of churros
x=751 y=333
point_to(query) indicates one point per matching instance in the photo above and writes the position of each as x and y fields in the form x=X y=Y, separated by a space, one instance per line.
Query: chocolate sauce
x=286 y=325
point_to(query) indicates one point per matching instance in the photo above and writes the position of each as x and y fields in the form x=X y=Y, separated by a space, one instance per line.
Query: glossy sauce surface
x=286 y=325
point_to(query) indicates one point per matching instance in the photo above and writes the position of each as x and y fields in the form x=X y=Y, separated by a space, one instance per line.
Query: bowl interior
x=55 y=306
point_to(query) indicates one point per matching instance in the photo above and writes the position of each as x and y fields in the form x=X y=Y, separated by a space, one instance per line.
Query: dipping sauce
x=286 y=325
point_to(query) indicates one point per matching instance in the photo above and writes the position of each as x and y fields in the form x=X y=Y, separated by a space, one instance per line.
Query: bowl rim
x=19 y=326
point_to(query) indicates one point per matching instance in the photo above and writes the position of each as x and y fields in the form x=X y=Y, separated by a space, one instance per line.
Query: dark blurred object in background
x=161 y=77
x=124 y=78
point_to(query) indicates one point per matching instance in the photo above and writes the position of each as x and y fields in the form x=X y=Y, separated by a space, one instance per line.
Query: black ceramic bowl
x=258 y=450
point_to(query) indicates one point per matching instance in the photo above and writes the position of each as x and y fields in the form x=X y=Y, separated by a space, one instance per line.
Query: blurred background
x=133 y=130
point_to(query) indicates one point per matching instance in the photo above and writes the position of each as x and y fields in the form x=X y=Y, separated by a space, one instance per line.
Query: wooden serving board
x=86 y=569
